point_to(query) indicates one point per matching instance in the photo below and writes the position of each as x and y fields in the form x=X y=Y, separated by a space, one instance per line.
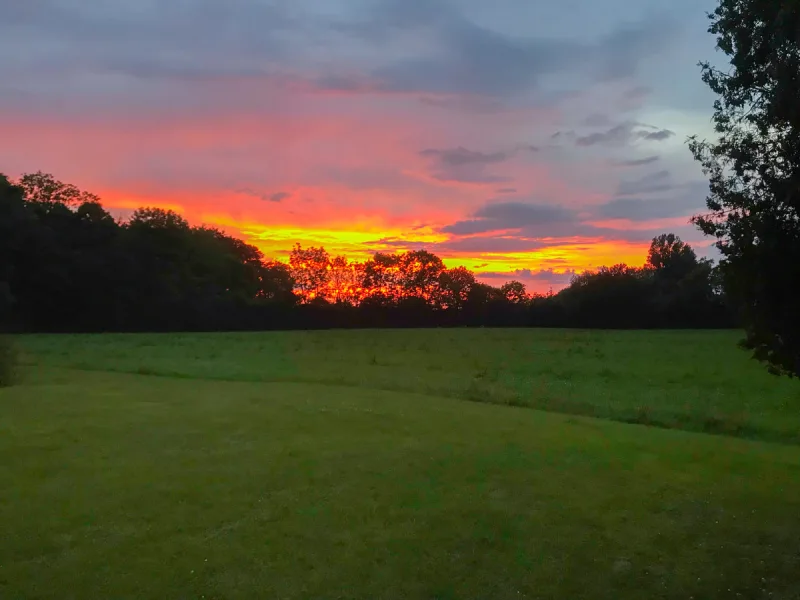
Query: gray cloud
x=80 y=49
x=658 y=136
x=279 y=196
x=473 y=244
x=527 y=275
x=481 y=244
x=465 y=166
x=508 y=190
x=174 y=40
x=369 y=178
x=639 y=209
x=652 y=182
x=596 y=120
x=637 y=162
x=457 y=157
x=624 y=133
x=463 y=103
x=501 y=216
x=459 y=175
x=465 y=57
x=266 y=197
x=637 y=93
x=619 y=134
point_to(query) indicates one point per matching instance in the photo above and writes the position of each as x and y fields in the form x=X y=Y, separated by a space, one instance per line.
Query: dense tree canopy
x=67 y=265
x=754 y=170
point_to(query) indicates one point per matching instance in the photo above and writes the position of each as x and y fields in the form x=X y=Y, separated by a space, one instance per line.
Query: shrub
x=8 y=362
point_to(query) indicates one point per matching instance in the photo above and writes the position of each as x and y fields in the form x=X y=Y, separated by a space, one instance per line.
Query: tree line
x=67 y=265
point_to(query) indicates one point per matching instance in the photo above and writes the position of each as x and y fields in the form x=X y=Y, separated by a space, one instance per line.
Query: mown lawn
x=279 y=466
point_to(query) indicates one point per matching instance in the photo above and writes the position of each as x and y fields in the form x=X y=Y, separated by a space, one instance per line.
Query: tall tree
x=754 y=171
x=382 y=277
x=310 y=269
x=455 y=285
x=419 y=273
x=343 y=281
x=671 y=257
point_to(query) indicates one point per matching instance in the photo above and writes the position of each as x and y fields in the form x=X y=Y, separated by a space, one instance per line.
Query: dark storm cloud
x=501 y=216
x=624 y=133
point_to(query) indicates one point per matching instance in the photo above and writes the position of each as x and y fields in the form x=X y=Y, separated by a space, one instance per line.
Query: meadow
x=399 y=464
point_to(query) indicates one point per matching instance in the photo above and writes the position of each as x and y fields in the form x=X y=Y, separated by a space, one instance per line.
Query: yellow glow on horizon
x=358 y=239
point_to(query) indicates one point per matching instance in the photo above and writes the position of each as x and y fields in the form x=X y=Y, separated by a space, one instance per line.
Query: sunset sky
x=524 y=139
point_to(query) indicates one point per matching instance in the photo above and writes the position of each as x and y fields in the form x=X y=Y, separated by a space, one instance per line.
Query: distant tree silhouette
x=67 y=265
x=515 y=292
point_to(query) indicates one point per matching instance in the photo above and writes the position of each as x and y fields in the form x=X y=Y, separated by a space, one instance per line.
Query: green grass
x=692 y=380
x=283 y=466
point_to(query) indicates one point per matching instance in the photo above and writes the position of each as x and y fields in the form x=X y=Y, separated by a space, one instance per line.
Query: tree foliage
x=754 y=171
x=8 y=362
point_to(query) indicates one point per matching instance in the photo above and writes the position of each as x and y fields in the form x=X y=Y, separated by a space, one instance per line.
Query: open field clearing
x=348 y=465
x=693 y=380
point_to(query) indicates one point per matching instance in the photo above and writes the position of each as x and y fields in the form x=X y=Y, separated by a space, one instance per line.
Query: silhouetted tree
x=419 y=274
x=455 y=285
x=670 y=257
x=15 y=226
x=46 y=190
x=754 y=170
x=310 y=268
x=277 y=284
x=515 y=292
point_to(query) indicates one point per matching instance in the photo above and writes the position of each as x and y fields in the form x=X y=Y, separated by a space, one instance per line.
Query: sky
x=523 y=139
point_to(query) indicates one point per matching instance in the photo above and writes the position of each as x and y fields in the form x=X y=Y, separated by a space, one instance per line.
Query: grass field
x=378 y=464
